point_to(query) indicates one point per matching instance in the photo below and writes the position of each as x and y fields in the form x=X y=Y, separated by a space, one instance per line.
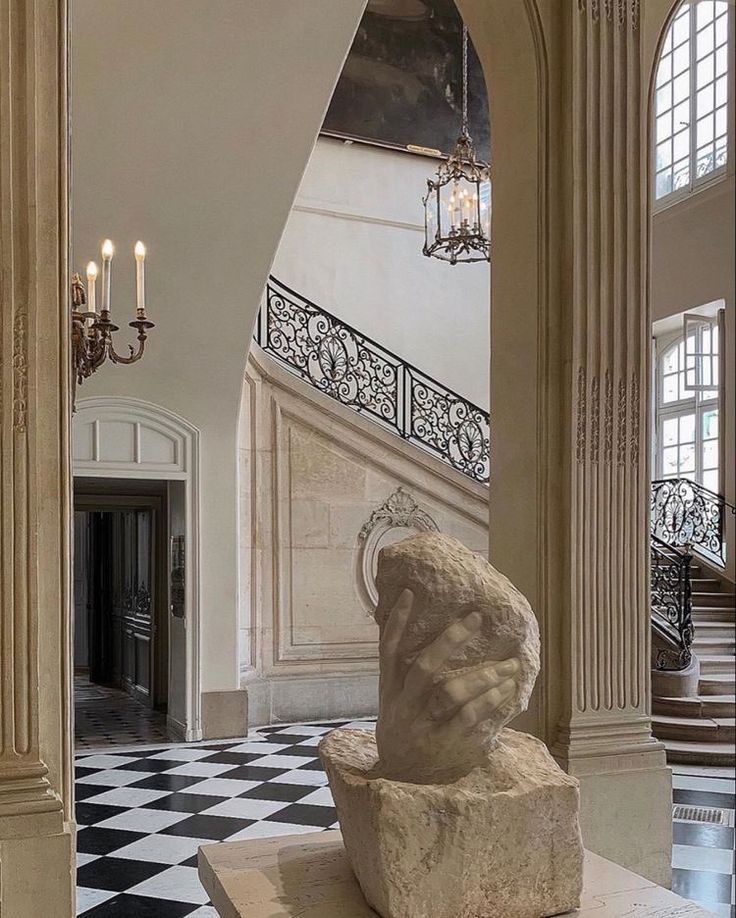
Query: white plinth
x=309 y=876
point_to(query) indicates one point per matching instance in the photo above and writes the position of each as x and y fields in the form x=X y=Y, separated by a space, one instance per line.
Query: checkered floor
x=143 y=814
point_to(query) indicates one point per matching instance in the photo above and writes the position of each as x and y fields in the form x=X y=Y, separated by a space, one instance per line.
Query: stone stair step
x=694 y=729
x=717 y=629
x=714 y=614
x=703 y=599
x=714 y=684
x=715 y=664
x=685 y=752
x=705 y=585
x=710 y=706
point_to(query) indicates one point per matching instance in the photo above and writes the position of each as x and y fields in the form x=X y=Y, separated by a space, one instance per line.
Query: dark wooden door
x=121 y=599
x=136 y=533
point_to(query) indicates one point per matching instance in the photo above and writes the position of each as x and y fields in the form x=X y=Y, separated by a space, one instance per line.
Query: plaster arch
x=129 y=438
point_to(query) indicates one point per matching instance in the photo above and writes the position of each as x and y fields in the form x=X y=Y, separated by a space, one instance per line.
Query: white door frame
x=150 y=442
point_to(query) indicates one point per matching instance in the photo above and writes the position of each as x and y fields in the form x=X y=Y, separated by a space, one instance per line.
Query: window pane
x=687 y=428
x=664 y=155
x=670 y=388
x=721 y=60
x=681 y=88
x=705 y=100
x=669 y=461
x=687 y=459
x=710 y=454
x=705 y=71
x=664 y=127
x=705 y=130
x=705 y=41
x=710 y=424
x=681 y=59
x=721 y=90
x=721 y=125
x=705 y=12
x=670 y=364
x=710 y=480
x=681 y=144
x=706 y=158
x=681 y=27
x=664 y=97
x=664 y=183
x=722 y=29
x=669 y=432
x=664 y=71
x=681 y=174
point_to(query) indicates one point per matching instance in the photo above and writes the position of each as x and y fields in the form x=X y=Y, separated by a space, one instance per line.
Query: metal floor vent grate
x=707 y=814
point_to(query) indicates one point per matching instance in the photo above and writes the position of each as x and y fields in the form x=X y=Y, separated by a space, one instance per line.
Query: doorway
x=121 y=599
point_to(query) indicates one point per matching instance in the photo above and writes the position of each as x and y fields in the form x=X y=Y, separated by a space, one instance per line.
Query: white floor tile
x=259 y=748
x=320 y=797
x=201 y=769
x=127 y=796
x=114 y=777
x=269 y=829
x=83 y=858
x=180 y=884
x=104 y=761
x=246 y=808
x=204 y=911
x=220 y=787
x=303 y=730
x=138 y=820
x=182 y=754
x=361 y=725
x=688 y=857
x=162 y=849
x=306 y=776
x=88 y=898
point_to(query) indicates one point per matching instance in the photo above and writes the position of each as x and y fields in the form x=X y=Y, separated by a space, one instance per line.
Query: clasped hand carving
x=425 y=718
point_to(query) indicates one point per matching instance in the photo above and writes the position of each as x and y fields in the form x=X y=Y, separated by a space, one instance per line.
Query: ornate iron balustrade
x=671 y=593
x=685 y=513
x=357 y=371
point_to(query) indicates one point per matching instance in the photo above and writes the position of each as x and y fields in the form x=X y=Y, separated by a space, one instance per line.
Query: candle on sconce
x=140 y=279
x=108 y=250
x=91 y=287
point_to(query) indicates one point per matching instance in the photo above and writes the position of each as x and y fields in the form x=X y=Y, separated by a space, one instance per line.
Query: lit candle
x=451 y=210
x=140 y=279
x=107 y=253
x=91 y=287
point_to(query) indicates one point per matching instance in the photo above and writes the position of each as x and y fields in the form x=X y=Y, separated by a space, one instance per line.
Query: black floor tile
x=304 y=814
x=83 y=791
x=286 y=792
x=127 y=906
x=102 y=841
x=214 y=827
x=116 y=873
x=702 y=885
x=253 y=773
x=89 y=814
x=168 y=782
x=150 y=765
x=309 y=751
x=313 y=765
x=232 y=758
x=184 y=803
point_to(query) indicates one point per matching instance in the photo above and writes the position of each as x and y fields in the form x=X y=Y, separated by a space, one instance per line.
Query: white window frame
x=694 y=405
x=717 y=175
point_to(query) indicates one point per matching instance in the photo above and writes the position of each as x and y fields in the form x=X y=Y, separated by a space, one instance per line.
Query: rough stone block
x=503 y=841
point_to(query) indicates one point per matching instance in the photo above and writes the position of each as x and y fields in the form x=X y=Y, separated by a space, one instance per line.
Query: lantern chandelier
x=92 y=332
x=457 y=206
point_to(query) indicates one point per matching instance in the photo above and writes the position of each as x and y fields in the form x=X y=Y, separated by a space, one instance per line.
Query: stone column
x=604 y=734
x=36 y=837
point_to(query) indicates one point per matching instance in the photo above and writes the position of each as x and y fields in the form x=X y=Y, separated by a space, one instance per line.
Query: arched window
x=687 y=414
x=692 y=99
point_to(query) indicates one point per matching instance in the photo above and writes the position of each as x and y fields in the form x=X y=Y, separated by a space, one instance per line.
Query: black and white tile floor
x=143 y=813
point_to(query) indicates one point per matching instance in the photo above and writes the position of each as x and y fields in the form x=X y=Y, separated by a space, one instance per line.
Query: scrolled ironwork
x=357 y=371
x=671 y=603
x=683 y=512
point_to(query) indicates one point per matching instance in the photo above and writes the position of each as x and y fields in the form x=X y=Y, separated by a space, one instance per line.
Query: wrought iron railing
x=357 y=371
x=671 y=597
x=686 y=513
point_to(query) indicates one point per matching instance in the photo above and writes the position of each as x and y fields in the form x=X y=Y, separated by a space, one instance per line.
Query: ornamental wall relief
x=398 y=516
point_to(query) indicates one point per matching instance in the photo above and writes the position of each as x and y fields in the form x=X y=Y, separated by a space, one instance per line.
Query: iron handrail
x=685 y=513
x=671 y=604
x=357 y=371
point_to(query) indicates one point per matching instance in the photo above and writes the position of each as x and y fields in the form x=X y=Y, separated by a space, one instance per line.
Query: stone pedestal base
x=308 y=876
x=501 y=842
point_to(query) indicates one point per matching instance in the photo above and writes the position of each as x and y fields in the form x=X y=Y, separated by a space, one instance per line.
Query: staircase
x=701 y=728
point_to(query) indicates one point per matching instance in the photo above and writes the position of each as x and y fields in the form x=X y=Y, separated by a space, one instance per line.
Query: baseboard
x=176 y=728
x=319 y=697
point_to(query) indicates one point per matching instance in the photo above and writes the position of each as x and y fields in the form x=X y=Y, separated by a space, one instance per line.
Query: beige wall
x=188 y=130
x=353 y=244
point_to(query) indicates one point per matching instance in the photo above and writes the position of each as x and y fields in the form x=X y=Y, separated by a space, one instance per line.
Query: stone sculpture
x=445 y=813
